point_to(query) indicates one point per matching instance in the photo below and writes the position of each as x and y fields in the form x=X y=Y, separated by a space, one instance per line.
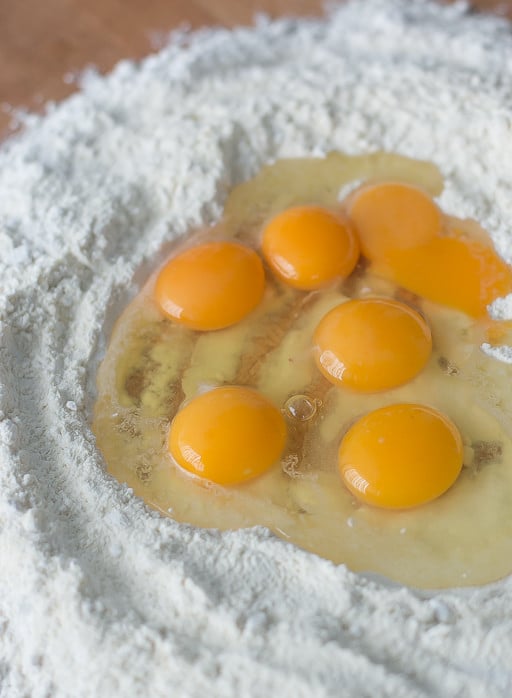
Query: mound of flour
x=100 y=596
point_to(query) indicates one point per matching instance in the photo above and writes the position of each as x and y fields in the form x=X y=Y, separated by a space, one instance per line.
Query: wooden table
x=43 y=43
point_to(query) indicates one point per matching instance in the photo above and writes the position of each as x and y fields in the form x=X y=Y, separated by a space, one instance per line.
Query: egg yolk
x=371 y=344
x=227 y=435
x=401 y=233
x=308 y=246
x=211 y=286
x=393 y=217
x=453 y=271
x=400 y=456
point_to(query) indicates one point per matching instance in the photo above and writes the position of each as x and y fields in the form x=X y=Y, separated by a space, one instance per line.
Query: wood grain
x=43 y=42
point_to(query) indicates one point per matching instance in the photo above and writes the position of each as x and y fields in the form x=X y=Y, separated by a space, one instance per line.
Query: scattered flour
x=100 y=596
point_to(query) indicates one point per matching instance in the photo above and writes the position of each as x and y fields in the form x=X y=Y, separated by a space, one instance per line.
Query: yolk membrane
x=211 y=286
x=400 y=456
x=372 y=344
x=227 y=435
x=308 y=246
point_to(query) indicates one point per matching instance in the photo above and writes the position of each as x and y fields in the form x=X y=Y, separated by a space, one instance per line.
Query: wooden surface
x=44 y=43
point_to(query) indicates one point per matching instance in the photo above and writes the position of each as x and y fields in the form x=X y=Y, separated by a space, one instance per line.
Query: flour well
x=98 y=595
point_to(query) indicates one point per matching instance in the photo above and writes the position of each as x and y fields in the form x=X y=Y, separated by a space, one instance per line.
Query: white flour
x=101 y=597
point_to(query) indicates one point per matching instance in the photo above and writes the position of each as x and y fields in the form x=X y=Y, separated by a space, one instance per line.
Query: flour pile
x=100 y=596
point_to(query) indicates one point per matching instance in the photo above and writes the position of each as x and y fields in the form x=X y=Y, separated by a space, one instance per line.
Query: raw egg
x=372 y=344
x=403 y=234
x=392 y=453
x=211 y=286
x=392 y=217
x=400 y=456
x=307 y=247
x=227 y=435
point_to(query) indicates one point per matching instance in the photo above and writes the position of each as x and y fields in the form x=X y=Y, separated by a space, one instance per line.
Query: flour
x=100 y=596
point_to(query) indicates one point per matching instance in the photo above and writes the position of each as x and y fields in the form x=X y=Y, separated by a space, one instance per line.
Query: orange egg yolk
x=393 y=217
x=227 y=435
x=307 y=247
x=211 y=286
x=400 y=456
x=371 y=344
x=453 y=271
x=401 y=233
